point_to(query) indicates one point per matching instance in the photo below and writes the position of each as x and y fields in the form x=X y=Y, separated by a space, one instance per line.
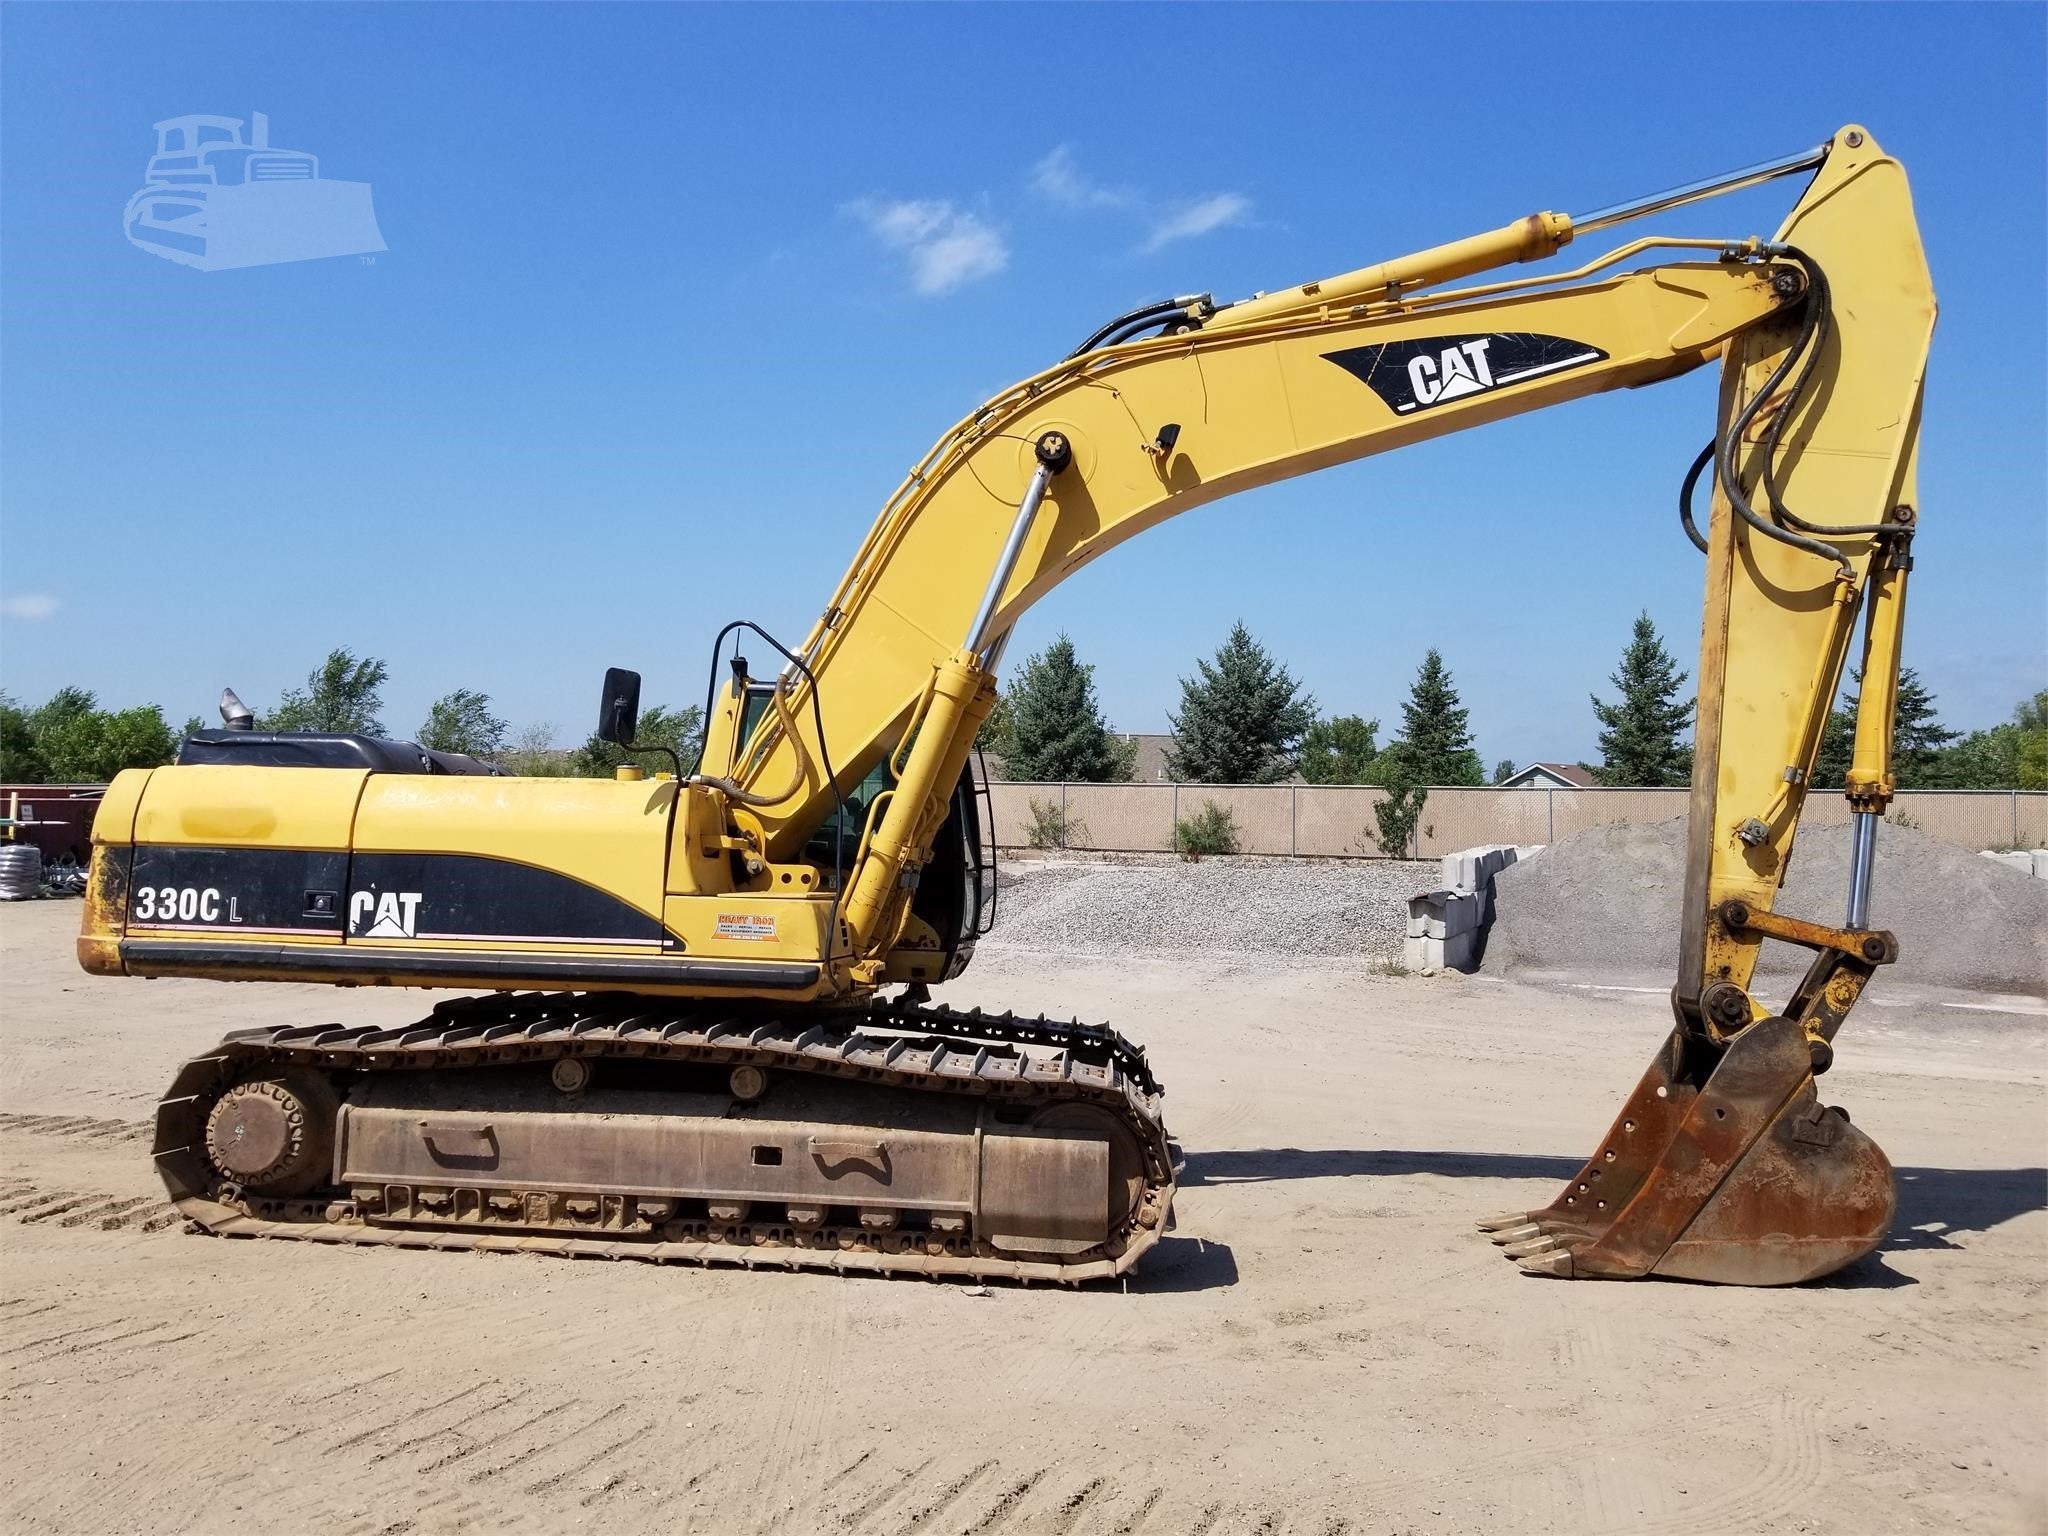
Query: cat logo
x=1459 y=370
x=1424 y=371
x=392 y=915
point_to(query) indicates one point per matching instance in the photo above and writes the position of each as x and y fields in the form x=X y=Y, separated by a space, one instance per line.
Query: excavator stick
x=1723 y=1165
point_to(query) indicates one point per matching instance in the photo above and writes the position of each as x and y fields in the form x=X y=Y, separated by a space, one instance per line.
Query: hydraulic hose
x=1692 y=479
x=732 y=791
x=1725 y=457
x=1128 y=324
x=1822 y=296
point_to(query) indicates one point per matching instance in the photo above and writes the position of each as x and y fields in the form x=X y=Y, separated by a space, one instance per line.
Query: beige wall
x=1333 y=820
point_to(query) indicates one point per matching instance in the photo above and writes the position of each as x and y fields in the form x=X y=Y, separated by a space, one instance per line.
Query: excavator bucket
x=1727 y=1170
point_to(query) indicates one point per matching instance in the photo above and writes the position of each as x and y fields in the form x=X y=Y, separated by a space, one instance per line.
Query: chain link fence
x=1336 y=820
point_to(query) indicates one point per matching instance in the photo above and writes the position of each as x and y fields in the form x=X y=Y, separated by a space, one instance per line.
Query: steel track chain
x=909 y=1045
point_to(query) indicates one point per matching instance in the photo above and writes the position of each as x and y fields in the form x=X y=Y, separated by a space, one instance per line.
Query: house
x=1551 y=776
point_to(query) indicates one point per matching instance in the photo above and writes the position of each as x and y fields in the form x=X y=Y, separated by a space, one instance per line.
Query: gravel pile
x=1345 y=909
x=1607 y=900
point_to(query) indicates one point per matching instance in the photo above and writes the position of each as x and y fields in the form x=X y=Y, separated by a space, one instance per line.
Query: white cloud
x=1204 y=216
x=1058 y=180
x=946 y=245
x=29 y=606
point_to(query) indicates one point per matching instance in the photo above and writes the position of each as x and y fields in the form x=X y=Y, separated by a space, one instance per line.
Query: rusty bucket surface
x=1743 y=1178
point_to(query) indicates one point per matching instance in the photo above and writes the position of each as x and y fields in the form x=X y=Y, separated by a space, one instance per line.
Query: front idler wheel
x=274 y=1135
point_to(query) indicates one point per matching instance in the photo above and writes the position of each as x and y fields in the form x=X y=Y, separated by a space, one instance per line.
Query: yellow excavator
x=702 y=1027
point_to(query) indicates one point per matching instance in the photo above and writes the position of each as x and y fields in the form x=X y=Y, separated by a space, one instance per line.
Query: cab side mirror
x=618 y=712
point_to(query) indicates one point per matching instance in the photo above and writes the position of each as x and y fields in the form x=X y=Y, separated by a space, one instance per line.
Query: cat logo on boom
x=391 y=915
x=1458 y=370
x=1424 y=371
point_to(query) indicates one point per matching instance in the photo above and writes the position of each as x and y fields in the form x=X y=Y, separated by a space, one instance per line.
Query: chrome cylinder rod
x=1695 y=191
x=1034 y=493
x=1862 y=862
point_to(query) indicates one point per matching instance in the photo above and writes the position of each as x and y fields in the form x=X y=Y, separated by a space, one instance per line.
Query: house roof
x=1555 y=775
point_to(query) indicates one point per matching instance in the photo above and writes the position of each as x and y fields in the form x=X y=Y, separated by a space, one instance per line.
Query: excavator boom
x=719 y=1079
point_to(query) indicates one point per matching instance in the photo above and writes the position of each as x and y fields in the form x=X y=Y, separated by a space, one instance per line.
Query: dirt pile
x=1606 y=901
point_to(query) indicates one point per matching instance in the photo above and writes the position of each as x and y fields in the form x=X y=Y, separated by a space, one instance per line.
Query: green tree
x=69 y=739
x=63 y=707
x=1435 y=746
x=994 y=735
x=680 y=730
x=1241 y=717
x=532 y=754
x=1339 y=750
x=1918 y=737
x=21 y=762
x=1396 y=817
x=1639 y=745
x=462 y=722
x=343 y=693
x=2030 y=719
x=1503 y=770
x=1125 y=750
x=193 y=726
x=91 y=748
x=1056 y=729
x=2011 y=755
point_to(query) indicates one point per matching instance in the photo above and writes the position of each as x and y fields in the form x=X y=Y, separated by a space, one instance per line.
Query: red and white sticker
x=748 y=927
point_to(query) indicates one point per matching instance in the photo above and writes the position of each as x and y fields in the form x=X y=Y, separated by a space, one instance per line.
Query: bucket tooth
x=1507 y=1219
x=1738 y=1176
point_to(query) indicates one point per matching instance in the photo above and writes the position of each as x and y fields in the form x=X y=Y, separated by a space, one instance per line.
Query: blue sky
x=673 y=296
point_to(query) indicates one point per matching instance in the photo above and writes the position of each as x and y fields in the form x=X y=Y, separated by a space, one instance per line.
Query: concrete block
x=1461 y=952
x=1425 y=907
x=1473 y=869
x=1422 y=954
x=1438 y=914
x=2023 y=862
x=2039 y=858
x=1457 y=913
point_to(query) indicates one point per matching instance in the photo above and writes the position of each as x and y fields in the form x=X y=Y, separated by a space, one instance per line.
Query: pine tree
x=1056 y=729
x=1640 y=745
x=1240 y=718
x=1919 y=739
x=1436 y=743
x=1837 y=746
x=1339 y=750
x=994 y=735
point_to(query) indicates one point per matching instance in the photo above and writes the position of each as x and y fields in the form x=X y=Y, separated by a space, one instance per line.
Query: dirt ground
x=1323 y=1346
